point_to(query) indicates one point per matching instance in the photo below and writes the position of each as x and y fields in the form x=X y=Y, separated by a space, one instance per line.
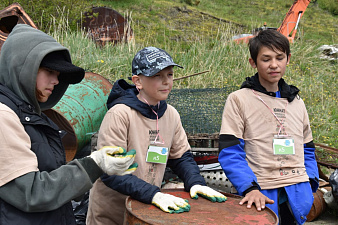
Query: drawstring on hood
x=20 y=59
x=287 y=91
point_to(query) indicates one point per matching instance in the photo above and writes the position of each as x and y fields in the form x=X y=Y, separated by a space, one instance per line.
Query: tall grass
x=227 y=63
x=179 y=19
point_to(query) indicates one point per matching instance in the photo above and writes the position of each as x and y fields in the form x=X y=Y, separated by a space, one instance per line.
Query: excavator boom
x=292 y=18
x=289 y=25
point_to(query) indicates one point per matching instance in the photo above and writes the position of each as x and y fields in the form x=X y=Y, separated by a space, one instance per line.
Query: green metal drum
x=80 y=111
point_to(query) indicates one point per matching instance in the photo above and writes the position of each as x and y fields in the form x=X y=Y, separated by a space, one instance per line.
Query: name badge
x=157 y=154
x=283 y=145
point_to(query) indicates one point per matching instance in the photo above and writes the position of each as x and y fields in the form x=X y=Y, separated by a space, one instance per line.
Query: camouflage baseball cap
x=151 y=60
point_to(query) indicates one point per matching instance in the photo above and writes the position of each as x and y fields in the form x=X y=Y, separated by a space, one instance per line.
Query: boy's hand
x=170 y=203
x=207 y=193
x=255 y=196
x=115 y=160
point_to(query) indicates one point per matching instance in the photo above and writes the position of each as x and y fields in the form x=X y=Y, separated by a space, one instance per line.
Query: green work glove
x=207 y=193
x=170 y=203
x=115 y=160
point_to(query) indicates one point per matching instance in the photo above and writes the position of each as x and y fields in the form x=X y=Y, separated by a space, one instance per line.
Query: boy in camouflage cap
x=150 y=61
x=140 y=118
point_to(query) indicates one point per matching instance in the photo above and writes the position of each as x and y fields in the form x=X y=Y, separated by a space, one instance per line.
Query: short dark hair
x=271 y=39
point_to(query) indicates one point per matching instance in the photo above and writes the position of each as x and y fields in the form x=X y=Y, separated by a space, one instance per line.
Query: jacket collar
x=287 y=91
x=124 y=93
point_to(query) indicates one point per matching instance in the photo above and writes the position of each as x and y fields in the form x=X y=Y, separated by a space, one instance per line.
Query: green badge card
x=157 y=154
x=283 y=146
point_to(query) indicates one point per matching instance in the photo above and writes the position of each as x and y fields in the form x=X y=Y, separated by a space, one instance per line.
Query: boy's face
x=271 y=67
x=45 y=82
x=155 y=88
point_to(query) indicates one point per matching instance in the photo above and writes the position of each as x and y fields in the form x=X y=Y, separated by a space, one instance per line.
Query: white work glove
x=115 y=160
x=207 y=193
x=170 y=203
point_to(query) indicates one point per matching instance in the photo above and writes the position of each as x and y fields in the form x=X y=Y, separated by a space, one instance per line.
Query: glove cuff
x=92 y=169
x=156 y=196
x=153 y=195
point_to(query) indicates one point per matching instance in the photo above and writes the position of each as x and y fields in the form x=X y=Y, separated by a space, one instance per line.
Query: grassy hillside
x=200 y=42
x=199 y=38
x=189 y=22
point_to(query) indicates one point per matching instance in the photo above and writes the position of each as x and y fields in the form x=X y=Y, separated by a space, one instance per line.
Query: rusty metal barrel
x=80 y=111
x=318 y=206
x=202 y=211
x=104 y=24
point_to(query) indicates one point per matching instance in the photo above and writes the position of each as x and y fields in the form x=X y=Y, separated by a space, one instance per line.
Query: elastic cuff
x=152 y=196
x=250 y=189
x=92 y=169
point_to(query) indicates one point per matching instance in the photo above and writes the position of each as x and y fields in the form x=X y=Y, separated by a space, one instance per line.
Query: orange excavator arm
x=289 y=25
x=292 y=18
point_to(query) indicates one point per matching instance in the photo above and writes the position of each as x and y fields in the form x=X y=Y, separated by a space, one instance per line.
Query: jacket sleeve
x=186 y=168
x=311 y=165
x=131 y=185
x=46 y=191
x=232 y=160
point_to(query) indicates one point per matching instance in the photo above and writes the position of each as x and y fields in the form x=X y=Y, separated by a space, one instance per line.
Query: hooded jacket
x=36 y=185
x=236 y=153
x=185 y=167
x=131 y=123
x=124 y=93
x=286 y=91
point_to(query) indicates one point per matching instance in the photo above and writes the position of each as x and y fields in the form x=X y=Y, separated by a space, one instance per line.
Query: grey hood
x=20 y=59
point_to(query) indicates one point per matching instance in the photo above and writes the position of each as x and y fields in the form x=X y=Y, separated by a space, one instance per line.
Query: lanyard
x=158 y=135
x=280 y=122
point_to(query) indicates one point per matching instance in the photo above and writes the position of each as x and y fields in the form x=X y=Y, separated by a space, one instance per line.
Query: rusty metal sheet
x=104 y=25
x=9 y=17
x=202 y=212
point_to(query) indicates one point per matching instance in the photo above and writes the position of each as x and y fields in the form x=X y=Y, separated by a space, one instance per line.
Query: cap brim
x=61 y=62
x=158 y=69
x=69 y=73
x=73 y=75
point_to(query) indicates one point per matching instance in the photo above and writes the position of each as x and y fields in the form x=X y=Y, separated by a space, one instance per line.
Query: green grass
x=185 y=22
x=199 y=42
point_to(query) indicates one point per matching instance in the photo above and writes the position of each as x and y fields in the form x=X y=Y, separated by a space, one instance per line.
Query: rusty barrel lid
x=104 y=24
x=202 y=211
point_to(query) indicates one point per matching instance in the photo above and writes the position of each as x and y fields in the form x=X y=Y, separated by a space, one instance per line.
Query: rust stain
x=202 y=212
x=105 y=86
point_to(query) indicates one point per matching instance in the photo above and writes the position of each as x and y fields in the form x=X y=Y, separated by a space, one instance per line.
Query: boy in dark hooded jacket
x=140 y=118
x=36 y=184
x=265 y=143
